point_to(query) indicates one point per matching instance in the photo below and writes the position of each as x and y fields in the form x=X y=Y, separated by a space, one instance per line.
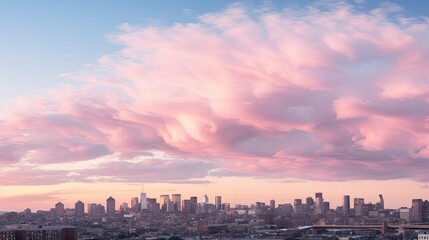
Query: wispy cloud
x=68 y=55
x=187 y=11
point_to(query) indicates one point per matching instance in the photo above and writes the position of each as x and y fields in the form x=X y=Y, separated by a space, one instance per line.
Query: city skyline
x=211 y=199
x=312 y=217
x=251 y=101
x=141 y=204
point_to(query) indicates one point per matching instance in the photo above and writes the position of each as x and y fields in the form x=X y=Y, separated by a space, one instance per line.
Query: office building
x=404 y=214
x=59 y=208
x=346 y=204
x=123 y=207
x=425 y=211
x=417 y=210
x=79 y=208
x=187 y=206
x=320 y=207
x=110 y=205
x=7 y=234
x=143 y=201
x=91 y=208
x=380 y=205
x=218 y=203
x=164 y=200
x=134 y=202
x=309 y=202
x=359 y=206
x=326 y=206
x=194 y=203
x=96 y=209
x=226 y=207
x=272 y=204
x=100 y=210
x=152 y=205
x=171 y=207
x=177 y=201
x=38 y=232
x=297 y=206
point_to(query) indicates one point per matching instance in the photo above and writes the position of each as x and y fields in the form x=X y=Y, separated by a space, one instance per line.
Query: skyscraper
x=92 y=208
x=152 y=205
x=425 y=211
x=309 y=201
x=417 y=210
x=272 y=204
x=187 y=206
x=134 y=201
x=164 y=200
x=171 y=207
x=319 y=194
x=326 y=206
x=206 y=199
x=404 y=214
x=59 y=208
x=100 y=210
x=381 y=201
x=110 y=204
x=218 y=203
x=320 y=208
x=194 y=203
x=123 y=207
x=225 y=207
x=346 y=204
x=359 y=206
x=79 y=208
x=297 y=206
x=143 y=201
x=177 y=201
x=96 y=209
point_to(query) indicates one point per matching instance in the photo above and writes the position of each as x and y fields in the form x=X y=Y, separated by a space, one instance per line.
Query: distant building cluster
x=170 y=215
x=38 y=232
x=165 y=204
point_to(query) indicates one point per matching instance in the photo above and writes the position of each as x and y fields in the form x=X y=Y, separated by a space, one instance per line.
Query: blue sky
x=43 y=39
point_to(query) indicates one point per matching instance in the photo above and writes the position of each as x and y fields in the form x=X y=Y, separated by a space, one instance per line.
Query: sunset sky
x=253 y=100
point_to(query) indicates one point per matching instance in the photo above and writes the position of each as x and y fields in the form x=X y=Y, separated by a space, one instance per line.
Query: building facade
x=218 y=203
x=346 y=204
x=34 y=232
x=177 y=201
x=110 y=206
x=79 y=208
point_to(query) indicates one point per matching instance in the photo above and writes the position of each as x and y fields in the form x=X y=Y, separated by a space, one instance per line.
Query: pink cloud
x=315 y=94
x=32 y=176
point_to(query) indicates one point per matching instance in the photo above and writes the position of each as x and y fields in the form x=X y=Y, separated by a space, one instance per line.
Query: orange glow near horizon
x=234 y=190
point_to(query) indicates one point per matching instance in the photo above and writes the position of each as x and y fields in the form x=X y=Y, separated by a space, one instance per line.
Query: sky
x=252 y=100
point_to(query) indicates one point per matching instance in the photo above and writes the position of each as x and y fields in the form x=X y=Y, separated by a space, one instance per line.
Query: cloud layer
x=326 y=93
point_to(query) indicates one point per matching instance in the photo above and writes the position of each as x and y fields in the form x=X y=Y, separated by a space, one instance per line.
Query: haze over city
x=251 y=101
